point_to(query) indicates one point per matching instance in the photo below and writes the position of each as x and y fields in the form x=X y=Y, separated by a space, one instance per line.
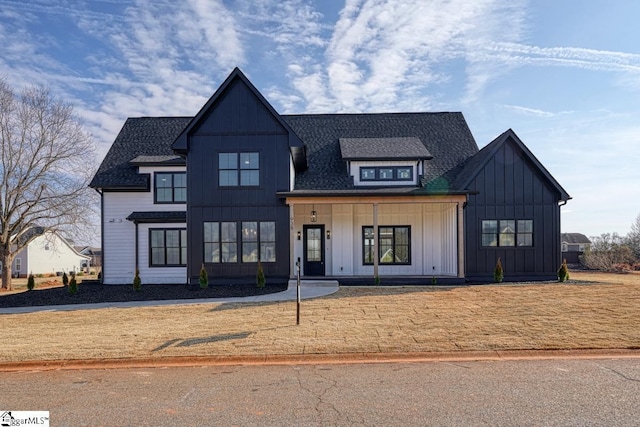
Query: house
x=48 y=253
x=574 y=245
x=95 y=255
x=402 y=196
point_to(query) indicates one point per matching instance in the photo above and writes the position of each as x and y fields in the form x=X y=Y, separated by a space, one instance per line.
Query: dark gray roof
x=158 y=216
x=143 y=136
x=574 y=238
x=405 y=148
x=445 y=136
x=158 y=160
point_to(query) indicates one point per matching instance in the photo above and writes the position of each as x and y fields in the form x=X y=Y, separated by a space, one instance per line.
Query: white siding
x=49 y=254
x=119 y=233
x=157 y=275
x=434 y=242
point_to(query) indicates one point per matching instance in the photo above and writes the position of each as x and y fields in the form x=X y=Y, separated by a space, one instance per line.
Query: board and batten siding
x=434 y=247
x=119 y=233
x=509 y=186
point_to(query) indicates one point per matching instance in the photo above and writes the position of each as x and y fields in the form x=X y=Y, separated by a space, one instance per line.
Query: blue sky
x=564 y=75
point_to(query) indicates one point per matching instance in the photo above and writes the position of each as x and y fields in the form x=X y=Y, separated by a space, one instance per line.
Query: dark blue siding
x=511 y=187
x=237 y=122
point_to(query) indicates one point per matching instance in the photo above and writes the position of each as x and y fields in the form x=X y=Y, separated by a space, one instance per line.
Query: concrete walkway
x=308 y=289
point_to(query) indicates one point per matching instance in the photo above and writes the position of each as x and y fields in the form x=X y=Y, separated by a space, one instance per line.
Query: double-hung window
x=394 y=245
x=239 y=169
x=168 y=247
x=170 y=187
x=507 y=233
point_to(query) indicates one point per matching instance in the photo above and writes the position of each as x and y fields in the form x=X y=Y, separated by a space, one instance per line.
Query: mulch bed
x=96 y=293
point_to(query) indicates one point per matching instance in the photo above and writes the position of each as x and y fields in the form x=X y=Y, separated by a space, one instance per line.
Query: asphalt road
x=524 y=393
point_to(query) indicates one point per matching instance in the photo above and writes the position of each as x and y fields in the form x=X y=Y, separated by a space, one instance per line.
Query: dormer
x=381 y=162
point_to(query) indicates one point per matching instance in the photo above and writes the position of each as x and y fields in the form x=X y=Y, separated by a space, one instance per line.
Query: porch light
x=328 y=234
x=314 y=216
x=299 y=235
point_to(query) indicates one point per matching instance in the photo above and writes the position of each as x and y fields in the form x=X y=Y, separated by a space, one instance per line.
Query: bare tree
x=46 y=160
x=633 y=238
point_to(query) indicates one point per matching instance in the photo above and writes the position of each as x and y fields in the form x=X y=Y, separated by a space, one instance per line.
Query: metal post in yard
x=298 y=293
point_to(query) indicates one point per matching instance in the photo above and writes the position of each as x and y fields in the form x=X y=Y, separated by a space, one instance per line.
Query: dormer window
x=384 y=173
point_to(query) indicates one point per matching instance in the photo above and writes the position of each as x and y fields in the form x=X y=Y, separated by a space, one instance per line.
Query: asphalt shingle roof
x=142 y=136
x=408 y=148
x=445 y=136
x=574 y=238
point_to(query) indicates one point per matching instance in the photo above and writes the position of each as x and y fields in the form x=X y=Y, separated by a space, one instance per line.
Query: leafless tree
x=633 y=238
x=46 y=160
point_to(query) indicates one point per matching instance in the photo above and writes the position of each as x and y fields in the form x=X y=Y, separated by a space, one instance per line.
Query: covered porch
x=415 y=238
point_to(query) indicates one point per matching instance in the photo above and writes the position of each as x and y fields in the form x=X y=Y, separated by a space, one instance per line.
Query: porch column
x=461 y=241
x=375 y=240
x=292 y=237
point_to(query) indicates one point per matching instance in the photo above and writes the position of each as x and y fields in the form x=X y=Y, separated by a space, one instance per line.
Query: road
x=524 y=392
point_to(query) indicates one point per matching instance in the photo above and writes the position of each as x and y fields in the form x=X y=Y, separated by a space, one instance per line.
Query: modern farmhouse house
x=402 y=196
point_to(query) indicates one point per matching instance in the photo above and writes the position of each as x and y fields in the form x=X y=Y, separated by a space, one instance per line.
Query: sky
x=564 y=75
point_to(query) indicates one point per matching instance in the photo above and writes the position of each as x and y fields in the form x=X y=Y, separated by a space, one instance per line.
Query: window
x=18 y=264
x=507 y=233
x=168 y=247
x=257 y=241
x=387 y=173
x=170 y=187
x=394 y=245
x=239 y=169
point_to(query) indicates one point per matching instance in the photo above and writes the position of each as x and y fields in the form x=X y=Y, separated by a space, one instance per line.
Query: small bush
x=204 y=278
x=100 y=275
x=31 y=282
x=563 y=272
x=434 y=281
x=376 y=280
x=65 y=279
x=260 y=279
x=40 y=276
x=498 y=272
x=137 y=282
x=80 y=273
x=73 y=285
x=636 y=266
x=621 y=268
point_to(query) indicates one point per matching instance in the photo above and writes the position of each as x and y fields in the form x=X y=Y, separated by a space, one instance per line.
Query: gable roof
x=574 y=238
x=181 y=144
x=474 y=165
x=398 y=148
x=139 y=138
x=445 y=136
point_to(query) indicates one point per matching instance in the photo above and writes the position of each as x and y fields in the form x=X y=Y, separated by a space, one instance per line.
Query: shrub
x=100 y=275
x=563 y=272
x=31 y=282
x=260 y=279
x=40 y=276
x=73 y=285
x=65 y=279
x=204 y=278
x=434 y=281
x=636 y=266
x=498 y=272
x=376 y=280
x=621 y=267
x=137 y=282
x=80 y=273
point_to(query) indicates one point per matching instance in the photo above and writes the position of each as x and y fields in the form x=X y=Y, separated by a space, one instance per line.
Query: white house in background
x=46 y=254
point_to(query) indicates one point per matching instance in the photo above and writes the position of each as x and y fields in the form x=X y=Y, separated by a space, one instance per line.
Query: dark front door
x=313 y=250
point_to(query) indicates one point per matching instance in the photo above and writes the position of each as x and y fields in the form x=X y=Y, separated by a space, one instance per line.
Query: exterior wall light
x=328 y=234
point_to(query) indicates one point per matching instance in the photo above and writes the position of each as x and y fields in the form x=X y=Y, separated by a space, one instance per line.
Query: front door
x=313 y=250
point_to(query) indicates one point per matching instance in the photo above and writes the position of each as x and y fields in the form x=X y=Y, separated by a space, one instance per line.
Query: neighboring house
x=574 y=245
x=48 y=253
x=404 y=196
x=95 y=255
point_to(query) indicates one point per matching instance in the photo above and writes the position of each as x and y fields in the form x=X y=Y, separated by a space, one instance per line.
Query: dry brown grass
x=602 y=311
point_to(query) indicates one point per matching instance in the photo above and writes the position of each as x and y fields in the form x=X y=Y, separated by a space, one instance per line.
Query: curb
x=308 y=359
